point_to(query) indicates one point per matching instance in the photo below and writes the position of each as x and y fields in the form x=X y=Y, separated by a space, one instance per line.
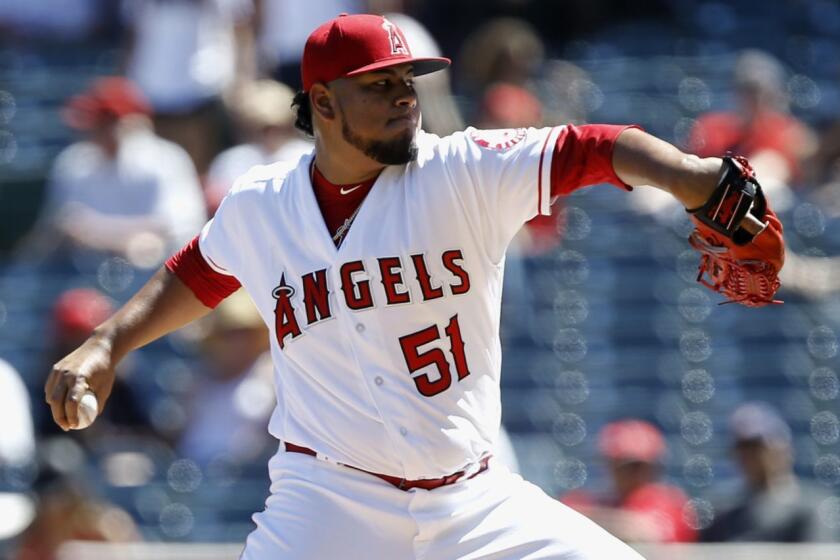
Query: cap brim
x=420 y=66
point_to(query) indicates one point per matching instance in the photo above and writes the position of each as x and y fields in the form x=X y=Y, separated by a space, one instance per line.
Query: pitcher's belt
x=402 y=483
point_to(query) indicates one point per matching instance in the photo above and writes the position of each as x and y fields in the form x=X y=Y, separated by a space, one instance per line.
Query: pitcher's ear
x=322 y=103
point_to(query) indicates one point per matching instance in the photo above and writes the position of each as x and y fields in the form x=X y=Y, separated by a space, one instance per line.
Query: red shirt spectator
x=761 y=124
x=638 y=507
x=768 y=130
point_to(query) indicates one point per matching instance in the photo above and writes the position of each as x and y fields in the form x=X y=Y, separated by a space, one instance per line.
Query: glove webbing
x=755 y=279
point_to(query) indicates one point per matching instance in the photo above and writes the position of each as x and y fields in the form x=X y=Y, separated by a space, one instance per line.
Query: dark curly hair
x=303 y=112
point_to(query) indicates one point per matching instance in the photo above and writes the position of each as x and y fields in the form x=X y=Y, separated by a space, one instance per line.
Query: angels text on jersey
x=313 y=289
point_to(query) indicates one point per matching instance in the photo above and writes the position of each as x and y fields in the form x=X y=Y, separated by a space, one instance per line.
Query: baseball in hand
x=88 y=409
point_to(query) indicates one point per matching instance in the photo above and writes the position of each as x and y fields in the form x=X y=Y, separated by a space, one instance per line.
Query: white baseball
x=88 y=410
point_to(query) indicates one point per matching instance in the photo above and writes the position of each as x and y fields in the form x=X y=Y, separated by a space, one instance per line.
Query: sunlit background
x=603 y=319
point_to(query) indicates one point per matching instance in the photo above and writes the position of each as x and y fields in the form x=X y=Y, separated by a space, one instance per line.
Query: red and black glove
x=742 y=266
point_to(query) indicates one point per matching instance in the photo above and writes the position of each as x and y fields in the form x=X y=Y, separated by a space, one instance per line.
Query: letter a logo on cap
x=398 y=45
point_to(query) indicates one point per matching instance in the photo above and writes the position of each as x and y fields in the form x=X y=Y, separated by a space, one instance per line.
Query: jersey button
x=403 y=431
x=360 y=328
x=379 y=380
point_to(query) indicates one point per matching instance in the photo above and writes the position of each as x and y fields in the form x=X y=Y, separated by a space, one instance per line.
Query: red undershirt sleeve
x=583 y=157
x=209 y=286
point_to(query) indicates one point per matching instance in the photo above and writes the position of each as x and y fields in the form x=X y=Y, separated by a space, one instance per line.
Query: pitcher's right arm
x=163 y=305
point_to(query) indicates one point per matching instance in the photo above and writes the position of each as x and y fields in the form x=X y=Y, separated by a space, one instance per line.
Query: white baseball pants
x=320 y=511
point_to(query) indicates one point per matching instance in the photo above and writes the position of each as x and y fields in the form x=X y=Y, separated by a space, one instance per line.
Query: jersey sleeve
x=520 y=171
x=510 y=170
x=515 y=173
x=582 y=156
x=209 y=286
x=208 y=263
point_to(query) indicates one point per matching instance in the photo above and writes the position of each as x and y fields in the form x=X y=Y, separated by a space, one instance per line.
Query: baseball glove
x=742 y=266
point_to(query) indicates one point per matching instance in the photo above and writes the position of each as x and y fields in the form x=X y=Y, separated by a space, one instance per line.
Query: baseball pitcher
x=376 y=262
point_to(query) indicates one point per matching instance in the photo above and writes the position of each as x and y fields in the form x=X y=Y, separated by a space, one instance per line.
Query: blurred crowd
x=199 y=91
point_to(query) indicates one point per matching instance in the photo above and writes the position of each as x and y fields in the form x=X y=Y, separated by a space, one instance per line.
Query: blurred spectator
x=567 y=92
x=75 y=314
x=500 y=50
x=122 y=190
x=441 y=115
x=774 y=505
x=17 y=451
x=509 y=106
x=17 y=510
x=67 y=512
x=638 y=508
x=282 y=30
x=17 y=438
x=227 y=416
x=810 y=276
x=263 y=110
x=186 y=55
x=823 y=171
x=578 y=19
x=761 y=127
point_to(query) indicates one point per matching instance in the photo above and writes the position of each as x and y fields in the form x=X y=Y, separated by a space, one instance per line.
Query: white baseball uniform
x=386 y=349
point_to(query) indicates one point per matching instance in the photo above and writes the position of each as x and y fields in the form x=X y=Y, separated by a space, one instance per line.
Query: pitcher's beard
x=398 y=151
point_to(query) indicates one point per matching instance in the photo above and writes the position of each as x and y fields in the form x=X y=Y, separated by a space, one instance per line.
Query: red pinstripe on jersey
x=540 y=172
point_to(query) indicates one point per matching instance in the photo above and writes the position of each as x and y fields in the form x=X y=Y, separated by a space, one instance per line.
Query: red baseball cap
x=110 y=97
x=80 y=310
x=353 y=44
x=631 y=440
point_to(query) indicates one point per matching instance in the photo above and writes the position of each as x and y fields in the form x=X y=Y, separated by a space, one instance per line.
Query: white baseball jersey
x=386 y=350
